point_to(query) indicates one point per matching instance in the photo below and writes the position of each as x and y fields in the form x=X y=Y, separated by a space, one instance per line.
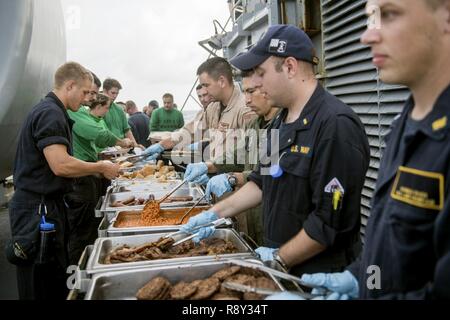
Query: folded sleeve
x=49 y=128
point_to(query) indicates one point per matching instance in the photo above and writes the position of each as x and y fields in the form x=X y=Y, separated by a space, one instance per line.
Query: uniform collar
x=437 y=123
x=308 y=113
x=435 y=126
x=269 y=123
x=233 y=99
x=54 y=97
x=303 y=122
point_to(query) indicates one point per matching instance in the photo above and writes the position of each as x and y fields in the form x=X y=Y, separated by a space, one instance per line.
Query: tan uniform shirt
x=191 y=132
x=223 y=122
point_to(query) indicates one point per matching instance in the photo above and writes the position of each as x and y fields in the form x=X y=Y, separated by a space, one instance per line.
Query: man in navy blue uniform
x=407 y=244
x=311 y=204
x=44 y=169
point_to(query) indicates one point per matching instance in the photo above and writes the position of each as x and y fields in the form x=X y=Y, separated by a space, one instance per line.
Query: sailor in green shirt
x=89 y=133
x=167 y=118
x=237 y=177
x=115 y=118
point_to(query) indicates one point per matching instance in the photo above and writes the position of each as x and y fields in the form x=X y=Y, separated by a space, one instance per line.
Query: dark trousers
x=42 y=282
x=83 y=224
x=35 y=280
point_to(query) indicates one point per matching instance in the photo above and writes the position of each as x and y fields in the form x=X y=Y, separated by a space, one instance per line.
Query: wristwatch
x=280 y=260
x=232 y=180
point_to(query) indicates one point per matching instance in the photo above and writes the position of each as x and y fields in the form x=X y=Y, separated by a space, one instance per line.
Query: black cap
x=280 y=40
x=154 y=104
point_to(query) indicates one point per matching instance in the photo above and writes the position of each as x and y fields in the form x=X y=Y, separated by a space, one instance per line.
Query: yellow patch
x=305 y=121
x=294 y=149
x=419 y=188
x=439 y=124
x=305 y=150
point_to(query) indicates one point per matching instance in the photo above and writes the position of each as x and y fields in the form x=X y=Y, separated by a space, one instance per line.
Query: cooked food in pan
x=159 y=171
x=163 y=249
x=211 y=288
x=133 y=201
x=130 y=219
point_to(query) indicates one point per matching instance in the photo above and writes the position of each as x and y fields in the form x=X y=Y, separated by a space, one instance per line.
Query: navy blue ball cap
x=280 y=40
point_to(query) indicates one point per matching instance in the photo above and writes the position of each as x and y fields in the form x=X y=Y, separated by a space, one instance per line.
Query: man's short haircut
x=71 y=71
x=278 y=63
x=97 y=81
x=168 y=95
x=216 y=67
x=199 y=87
x=130 y=104
x=109 y=83
x=247 y=73
x=100 y=100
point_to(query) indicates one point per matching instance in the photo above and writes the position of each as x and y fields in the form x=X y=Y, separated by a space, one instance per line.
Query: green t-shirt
x=102 y=123
x=166 y=120
x=116 y=121
x=88 y=133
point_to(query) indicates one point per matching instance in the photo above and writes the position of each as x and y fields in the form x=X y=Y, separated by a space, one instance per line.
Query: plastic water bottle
x=47 y=241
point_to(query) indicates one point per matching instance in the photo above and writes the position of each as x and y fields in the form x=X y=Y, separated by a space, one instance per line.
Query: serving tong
x=261 y=291
x=215 y=223
x=192 y=208
x=278 y=274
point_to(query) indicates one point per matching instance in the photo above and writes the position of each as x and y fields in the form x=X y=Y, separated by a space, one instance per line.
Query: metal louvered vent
x=351 y=77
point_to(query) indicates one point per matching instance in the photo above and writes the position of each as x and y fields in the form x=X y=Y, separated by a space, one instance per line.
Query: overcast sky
x=150 y=46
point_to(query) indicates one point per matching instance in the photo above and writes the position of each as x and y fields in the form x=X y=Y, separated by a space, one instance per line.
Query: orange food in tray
x=130 y=219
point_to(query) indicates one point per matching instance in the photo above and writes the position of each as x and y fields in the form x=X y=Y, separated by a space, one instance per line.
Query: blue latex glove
x=153 y=149
x=193 y=146
x=152 y=157
x=344 y=285
x=202 y=180
x=202 y=218
x=195 y=170
x=266 y=254
x=285 y=295
x=218 y=185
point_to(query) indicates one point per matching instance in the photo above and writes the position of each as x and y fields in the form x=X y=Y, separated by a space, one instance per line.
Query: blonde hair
x=71 y=71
